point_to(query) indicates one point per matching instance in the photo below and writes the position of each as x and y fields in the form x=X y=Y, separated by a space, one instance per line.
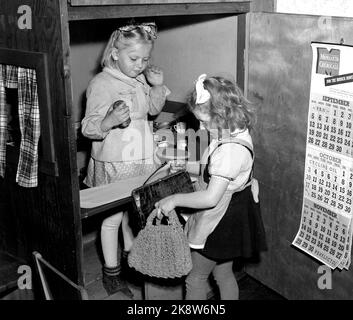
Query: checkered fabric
x=11 y=79
x=3 y=121
x=28 y=110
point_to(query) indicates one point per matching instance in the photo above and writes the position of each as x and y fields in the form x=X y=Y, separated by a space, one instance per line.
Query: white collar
x=116 y=73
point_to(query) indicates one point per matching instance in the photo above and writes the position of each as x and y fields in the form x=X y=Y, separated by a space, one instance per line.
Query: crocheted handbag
x=146 y=196
x=160 y=250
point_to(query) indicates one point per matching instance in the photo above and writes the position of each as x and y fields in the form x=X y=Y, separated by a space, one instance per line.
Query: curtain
x=28 y=111
x=3 y=120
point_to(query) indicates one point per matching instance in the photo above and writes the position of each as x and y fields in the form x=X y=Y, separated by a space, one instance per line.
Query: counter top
x=102 y=198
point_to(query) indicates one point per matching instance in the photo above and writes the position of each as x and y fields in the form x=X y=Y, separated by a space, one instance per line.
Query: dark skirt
x=240 y=233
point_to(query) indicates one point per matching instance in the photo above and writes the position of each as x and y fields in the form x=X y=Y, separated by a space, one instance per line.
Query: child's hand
x=154 y=75
x=164 y=206
x=176 y=166
x=255 y=189
x=116 y=115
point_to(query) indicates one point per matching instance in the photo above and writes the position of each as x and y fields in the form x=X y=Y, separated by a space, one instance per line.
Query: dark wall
x=45 y=218
x=279 y=72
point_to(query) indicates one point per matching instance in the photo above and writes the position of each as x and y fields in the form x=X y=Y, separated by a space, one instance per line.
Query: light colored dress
x=120 y=153
x=232 y=162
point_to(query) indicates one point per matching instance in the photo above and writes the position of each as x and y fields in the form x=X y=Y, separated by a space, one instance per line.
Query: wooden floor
x=93 y=275
x=250 y=289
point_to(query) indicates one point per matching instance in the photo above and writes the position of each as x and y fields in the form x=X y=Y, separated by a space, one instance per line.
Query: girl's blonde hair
x=126 y=36
x=227 y=106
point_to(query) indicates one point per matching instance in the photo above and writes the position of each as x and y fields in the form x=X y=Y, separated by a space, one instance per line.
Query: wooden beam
x=263 y=5
x=140 y=2
x=154 y=10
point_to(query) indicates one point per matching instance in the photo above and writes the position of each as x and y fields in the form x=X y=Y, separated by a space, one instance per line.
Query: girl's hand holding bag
x=161 y=250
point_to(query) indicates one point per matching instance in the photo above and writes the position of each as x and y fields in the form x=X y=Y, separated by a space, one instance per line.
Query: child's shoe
x=113 y=282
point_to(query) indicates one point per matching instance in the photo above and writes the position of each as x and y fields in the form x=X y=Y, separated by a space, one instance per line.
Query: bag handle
x=172 y=218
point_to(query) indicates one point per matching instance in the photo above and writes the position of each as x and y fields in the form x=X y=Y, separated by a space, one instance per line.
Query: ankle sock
x=111 y=271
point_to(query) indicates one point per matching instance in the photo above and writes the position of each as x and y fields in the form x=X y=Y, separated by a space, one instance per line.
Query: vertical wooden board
x=279 y=73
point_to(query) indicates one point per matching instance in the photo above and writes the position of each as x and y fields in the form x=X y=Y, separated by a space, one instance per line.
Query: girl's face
x=133 y=59
x=205 y=121
x=204 y=118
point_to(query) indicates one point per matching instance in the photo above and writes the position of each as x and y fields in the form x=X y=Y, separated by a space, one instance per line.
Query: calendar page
x=325 y=230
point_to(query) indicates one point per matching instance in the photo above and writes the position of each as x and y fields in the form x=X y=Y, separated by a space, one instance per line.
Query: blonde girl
x=122 y=141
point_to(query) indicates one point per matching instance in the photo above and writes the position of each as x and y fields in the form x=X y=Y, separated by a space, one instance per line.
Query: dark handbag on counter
x=146 y=196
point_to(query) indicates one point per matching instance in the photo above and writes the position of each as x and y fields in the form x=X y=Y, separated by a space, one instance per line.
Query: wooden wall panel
x=47 y=217
x=279 y=72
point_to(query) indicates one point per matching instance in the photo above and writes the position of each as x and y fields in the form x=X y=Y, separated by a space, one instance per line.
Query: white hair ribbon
x=202 y=95
x=150 y=28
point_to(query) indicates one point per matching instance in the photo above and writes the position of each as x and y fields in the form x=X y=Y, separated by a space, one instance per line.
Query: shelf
x=89 y=212
x=110 y=9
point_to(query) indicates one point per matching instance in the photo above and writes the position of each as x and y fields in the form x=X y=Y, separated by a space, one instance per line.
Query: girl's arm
x=193 y=167
x=98 y=103
x=255 y=189
x=101 y=116
x=158 y=92
x=204 y=199
x=158 y=95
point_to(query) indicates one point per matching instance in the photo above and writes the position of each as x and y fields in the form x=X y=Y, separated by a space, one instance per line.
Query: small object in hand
x=181 y=144
x=121 y=104
x=177 y=165
x=163 y=144
x=180 y=127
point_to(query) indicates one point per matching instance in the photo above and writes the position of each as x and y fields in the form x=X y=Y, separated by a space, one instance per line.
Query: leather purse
x=146 y=196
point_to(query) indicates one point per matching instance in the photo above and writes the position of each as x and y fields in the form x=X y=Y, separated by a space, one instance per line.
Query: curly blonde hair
x=227 y=106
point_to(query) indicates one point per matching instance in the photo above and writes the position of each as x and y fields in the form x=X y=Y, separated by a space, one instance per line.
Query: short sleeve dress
x=238 y=229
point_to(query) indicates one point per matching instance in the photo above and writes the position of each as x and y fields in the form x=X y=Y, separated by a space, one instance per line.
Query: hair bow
x=150 y=28
x=202 y=95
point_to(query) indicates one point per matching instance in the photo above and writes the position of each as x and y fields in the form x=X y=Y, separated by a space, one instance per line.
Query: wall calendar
x=325 y=230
